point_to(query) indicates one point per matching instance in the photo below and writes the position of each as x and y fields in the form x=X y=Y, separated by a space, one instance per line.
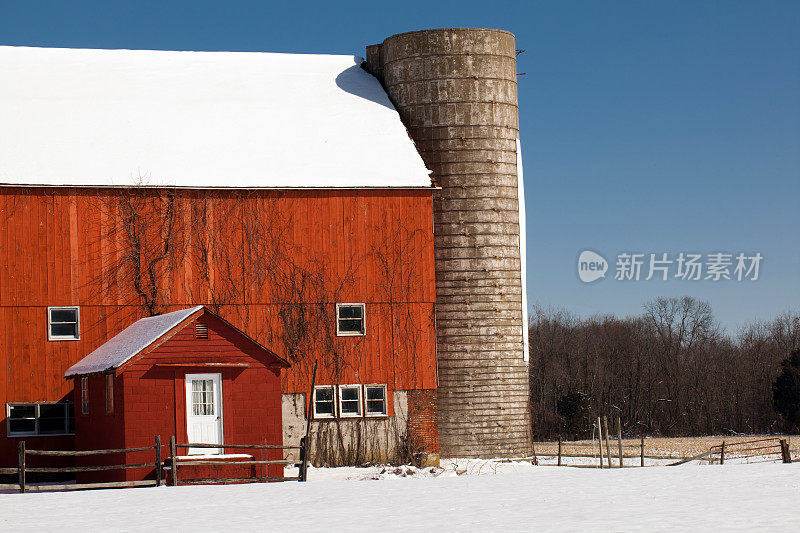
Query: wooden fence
x=752 y=451
x=176 y=461
x=607 y=455
x=612 y=454
x=23 y=469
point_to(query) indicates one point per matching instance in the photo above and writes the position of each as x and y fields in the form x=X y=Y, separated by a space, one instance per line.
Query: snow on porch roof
x=129 y=342
x=198 y=119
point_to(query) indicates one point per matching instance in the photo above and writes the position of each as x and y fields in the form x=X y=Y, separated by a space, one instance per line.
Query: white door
x=204 y=411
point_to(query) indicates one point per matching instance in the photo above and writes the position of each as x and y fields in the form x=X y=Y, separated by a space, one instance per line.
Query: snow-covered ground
x=465 y=495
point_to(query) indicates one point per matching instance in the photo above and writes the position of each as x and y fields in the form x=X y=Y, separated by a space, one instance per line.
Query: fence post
x=785 y=453
x=722 y=453
x=641 y=447
x=600 y=440
x=22 y=466
x=303 y=465
x=559 y=451
x=608 y=445
x=619 y=439
x=158 y=460
x=173 y=460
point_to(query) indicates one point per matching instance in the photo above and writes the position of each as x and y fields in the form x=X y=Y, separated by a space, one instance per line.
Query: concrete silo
x=456 y=91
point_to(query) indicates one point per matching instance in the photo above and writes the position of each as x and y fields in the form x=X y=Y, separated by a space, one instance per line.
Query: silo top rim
x=493 y=30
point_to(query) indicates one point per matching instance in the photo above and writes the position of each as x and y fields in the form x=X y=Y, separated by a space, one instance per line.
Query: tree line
x=670 y=371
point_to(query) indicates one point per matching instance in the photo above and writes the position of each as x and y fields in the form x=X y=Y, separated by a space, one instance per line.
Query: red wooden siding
x=151 y=399
x=59 y=246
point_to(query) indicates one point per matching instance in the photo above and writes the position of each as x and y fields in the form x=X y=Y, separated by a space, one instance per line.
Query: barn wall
x=155 y=397
x=100 y=430
x=66 y=246
x=152 y=401
x=363 y=440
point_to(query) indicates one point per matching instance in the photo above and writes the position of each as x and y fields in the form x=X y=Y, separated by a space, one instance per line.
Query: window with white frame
x=350 y=319
x=40 y=418
x=375 y=400
x=63 y=323
x=324 y=402
x=349 y=401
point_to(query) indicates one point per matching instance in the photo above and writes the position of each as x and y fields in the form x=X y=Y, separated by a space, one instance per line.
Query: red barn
x=187 y=373
x=281 y=191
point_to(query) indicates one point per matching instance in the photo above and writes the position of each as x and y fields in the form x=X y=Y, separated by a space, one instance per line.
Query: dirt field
x=675 y=447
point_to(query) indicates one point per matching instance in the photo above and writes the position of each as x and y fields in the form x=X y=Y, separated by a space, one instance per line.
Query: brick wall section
x=422 y=419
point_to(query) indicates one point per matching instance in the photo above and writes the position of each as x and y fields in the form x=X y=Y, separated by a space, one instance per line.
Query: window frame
x=109 y=393
x=84 y=395
x=77 y=336
x=363 y=332
x=385 y=412
x=36 y=417
x=324 y=416
x=354 y=386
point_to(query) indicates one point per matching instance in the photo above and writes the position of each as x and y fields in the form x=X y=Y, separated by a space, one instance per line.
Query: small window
x=200 y=331
x=21 y=419
x=349 y=400
x=43 y=418
x=203 y=397
x=350 y=319
x=323 y=402
x=63 y=324
x=85 y=395
x=109 y=393
x=375 y=400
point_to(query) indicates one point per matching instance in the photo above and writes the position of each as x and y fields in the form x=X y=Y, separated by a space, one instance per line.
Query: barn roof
x=198 y=119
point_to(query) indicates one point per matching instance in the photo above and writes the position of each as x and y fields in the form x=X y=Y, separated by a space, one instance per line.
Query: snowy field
x=465 y=495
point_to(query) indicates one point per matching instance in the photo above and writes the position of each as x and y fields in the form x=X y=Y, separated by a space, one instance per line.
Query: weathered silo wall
x=456 y=91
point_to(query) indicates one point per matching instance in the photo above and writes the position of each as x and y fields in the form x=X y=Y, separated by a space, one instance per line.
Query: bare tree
x=669 y=371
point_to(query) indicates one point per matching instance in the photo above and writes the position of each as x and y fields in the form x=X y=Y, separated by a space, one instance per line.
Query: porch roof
x=129 y=342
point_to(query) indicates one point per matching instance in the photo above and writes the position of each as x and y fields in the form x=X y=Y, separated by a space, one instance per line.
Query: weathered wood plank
x=69 y=453
x=193 y=462
x=84 y=486
x=64 y=469
x=217 y=481
x=238 y=446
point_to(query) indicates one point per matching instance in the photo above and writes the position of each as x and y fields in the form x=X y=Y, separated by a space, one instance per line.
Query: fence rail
x=761 y=448
x=237 y=446
x=619 y=451
x=23 y=469
x=612 y=454
x=59 y=453
x=176 y=461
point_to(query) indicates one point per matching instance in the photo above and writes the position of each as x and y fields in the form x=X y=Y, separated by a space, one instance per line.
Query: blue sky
x=648 y=127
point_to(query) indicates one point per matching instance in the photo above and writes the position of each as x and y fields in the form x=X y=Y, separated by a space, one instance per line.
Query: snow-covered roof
x=129 y=342
x=198 y=119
